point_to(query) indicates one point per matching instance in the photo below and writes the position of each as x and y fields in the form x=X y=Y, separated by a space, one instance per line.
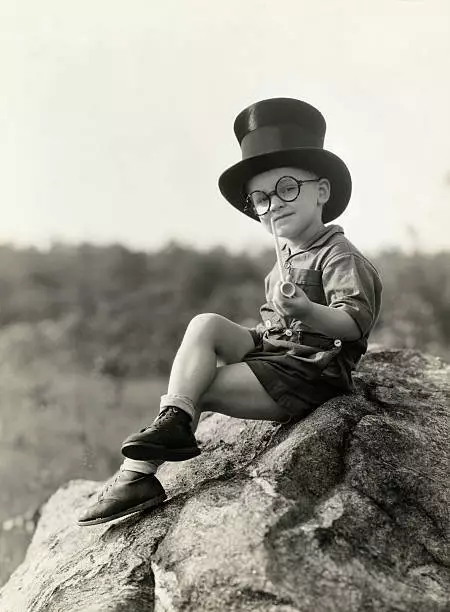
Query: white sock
x=144 y=467
x=183 y=402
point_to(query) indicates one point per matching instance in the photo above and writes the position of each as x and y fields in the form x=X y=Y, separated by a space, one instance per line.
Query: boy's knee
x=205 y=323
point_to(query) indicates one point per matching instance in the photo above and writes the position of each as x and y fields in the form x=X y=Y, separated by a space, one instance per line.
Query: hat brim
x=320 y=161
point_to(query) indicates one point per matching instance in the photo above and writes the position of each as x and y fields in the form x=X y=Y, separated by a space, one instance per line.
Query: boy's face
x=295 y=218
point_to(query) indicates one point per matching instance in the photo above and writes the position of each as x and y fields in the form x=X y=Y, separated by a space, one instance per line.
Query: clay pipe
x=287 y=288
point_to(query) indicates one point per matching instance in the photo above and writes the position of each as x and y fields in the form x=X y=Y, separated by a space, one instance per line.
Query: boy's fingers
x=277 y=306
x=277 y=299
x=277 y=309
x=282 y=300
x=278 y=294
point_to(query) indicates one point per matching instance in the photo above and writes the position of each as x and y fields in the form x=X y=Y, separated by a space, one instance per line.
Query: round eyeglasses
x=287 y=189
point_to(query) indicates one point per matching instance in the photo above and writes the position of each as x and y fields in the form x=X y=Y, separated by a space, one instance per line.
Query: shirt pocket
x=310 y=281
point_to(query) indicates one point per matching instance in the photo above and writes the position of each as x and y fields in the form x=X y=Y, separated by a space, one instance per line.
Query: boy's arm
x=353 y=294
x=329 y=321
x=332 y=322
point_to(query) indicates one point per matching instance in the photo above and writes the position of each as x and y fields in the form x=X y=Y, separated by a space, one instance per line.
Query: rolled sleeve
x=350 y=283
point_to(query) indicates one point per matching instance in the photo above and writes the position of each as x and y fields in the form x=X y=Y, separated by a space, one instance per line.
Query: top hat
x=284 y=132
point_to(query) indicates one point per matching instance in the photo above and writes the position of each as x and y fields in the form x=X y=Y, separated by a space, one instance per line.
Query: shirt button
x=337 y=343
x=268 y=323
x=288 y=332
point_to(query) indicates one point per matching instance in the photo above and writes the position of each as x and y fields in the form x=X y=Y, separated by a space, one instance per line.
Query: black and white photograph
x=225 y=306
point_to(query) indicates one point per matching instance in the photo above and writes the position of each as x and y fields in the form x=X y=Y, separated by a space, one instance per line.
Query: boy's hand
x=295 y=307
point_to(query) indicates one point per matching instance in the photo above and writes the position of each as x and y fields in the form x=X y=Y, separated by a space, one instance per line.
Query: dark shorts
x=296 y=387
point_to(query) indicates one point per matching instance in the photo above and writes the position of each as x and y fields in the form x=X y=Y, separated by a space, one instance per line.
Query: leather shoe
x=129 y=492
x=169 y=438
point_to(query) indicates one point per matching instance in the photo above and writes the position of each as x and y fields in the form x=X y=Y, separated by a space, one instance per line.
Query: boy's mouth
x=282 y=217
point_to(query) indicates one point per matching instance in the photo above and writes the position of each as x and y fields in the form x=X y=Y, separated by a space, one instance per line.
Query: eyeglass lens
x=287 y=189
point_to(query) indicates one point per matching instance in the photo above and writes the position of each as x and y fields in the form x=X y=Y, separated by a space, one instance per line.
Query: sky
x=116 y=118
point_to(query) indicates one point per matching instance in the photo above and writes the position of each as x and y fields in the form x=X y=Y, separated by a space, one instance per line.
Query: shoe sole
x=143 y=451
x=156 y=501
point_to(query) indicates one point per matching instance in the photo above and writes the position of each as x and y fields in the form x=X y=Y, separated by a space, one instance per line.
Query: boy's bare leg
x=236 y=392
x=208 y=337
x=231 y=389
x=193 y=388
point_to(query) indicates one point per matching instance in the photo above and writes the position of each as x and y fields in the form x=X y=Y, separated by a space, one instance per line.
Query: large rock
x=346 y=511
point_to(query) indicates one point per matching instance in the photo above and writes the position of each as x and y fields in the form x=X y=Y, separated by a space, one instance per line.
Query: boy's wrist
x=306 y=310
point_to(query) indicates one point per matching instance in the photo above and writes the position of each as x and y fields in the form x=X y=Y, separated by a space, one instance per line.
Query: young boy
x=305 y=349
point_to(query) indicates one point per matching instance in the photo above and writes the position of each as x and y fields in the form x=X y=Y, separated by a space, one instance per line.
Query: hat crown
x=278 y=124
x=284 y=132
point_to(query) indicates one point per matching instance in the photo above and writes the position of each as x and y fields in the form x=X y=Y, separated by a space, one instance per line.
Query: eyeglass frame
x=274 y=192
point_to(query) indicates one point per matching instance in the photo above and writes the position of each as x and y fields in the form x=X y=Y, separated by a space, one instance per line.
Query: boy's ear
x=324 y=191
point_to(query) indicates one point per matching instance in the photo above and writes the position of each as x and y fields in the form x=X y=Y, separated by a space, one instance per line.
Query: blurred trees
x=416 y=301
x=111 y=301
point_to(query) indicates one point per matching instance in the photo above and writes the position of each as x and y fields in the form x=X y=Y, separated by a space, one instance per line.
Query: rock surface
x=346 y=511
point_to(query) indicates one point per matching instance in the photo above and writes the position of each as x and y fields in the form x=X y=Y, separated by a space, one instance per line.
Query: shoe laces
x=161 y=416
x=108 y=486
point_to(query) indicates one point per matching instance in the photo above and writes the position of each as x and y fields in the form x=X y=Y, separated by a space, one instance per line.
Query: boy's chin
x=282 y=232
x=288 y=235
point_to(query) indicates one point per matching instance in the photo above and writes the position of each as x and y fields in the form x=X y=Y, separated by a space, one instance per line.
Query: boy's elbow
x=351 y=330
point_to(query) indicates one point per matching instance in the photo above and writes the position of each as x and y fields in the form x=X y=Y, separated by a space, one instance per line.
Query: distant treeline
x=113 y=301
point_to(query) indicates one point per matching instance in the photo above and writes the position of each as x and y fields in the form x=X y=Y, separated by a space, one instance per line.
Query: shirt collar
x=317 y=240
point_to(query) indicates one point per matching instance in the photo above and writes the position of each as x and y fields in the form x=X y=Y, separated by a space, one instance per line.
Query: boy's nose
x=277 y=203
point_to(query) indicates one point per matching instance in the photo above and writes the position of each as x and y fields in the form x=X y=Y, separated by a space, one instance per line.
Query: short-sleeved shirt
x=332 y=272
